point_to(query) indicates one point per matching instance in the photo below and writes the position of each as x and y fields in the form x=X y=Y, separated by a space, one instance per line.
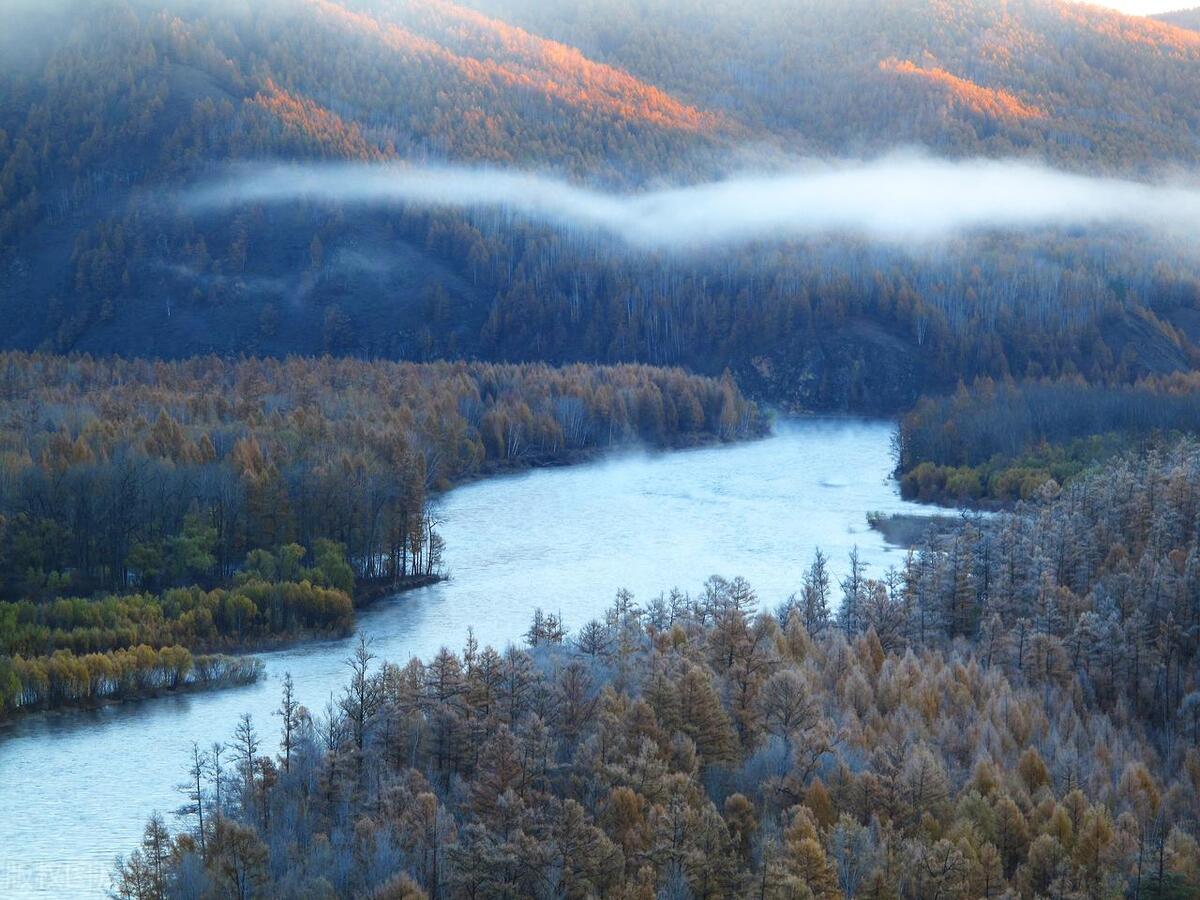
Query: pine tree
x=289 y=711
x=853 y=594
x=815 y=595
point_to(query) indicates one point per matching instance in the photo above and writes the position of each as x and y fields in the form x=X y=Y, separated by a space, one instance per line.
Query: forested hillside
x=1014 y=714
x=1073 y=83
x=1005 y=441
x=112 y=105
x=1184 y=18
x=111 y=108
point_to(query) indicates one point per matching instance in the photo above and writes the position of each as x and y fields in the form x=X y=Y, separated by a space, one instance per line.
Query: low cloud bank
x=904 y=199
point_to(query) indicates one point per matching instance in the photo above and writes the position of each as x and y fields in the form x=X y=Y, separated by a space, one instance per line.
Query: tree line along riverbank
x=212 y=506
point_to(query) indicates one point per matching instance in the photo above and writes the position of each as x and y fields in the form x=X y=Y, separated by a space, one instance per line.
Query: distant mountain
x=1183 y=18
x=1072 y=83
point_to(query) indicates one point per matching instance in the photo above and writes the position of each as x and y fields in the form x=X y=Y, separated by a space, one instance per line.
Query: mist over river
x=76 y=788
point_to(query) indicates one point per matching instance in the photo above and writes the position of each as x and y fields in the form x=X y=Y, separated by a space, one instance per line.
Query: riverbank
x=908 y=529
x=207 y=673
x=581 y=456
x=369 y=592
x=196 y=668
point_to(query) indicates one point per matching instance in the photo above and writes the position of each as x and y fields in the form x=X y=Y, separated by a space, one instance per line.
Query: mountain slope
x=483 y=47
x=111 y=108
x=1183 y=18
x=422 y=77
x=1113 y=91
x=108 y=107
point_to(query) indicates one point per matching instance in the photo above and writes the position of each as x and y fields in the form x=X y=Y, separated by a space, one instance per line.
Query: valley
x=627 y=449
x=644 y=523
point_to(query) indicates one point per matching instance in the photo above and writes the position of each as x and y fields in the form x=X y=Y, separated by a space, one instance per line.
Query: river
x=76 y=788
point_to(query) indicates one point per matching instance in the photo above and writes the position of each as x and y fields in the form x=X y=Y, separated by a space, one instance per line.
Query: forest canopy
x=1012 y=713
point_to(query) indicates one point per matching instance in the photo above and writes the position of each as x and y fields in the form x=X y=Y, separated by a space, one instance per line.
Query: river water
x=76 y=788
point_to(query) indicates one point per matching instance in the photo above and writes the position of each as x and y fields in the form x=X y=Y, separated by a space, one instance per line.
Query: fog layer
x=899 y=198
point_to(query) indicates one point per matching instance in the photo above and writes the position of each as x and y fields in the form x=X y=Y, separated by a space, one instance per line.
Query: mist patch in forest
x=900 y=198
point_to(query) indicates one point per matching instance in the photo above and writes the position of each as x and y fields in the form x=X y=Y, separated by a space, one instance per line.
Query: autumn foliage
x=488 y=52
x=997 y=104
